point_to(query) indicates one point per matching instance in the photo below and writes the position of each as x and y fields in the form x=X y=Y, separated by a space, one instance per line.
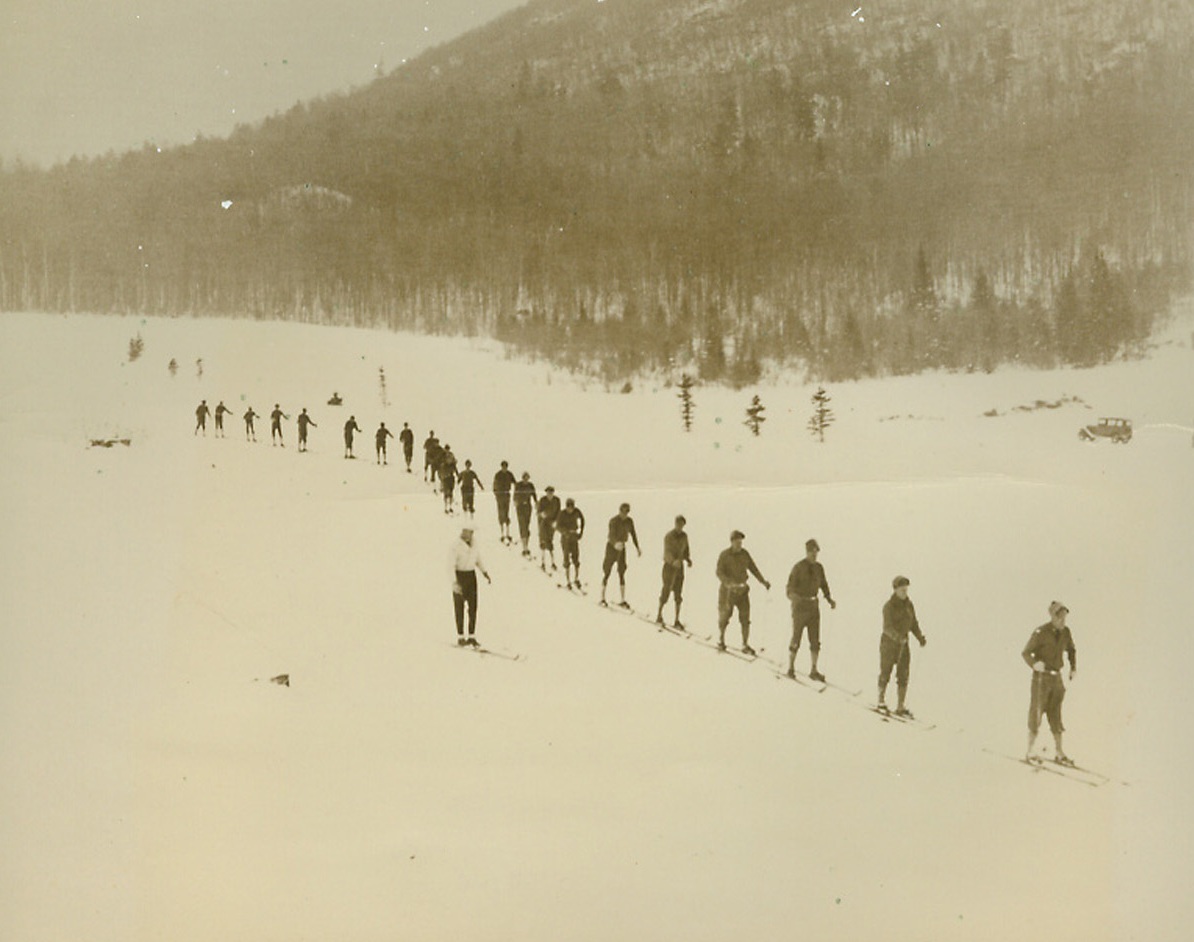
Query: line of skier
x=305 y=423
x=1048 y=647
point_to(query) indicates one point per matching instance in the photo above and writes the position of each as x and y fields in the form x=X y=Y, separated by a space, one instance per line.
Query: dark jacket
x=899 y=620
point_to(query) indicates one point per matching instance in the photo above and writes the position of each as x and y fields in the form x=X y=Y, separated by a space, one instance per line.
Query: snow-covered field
x=615 y=783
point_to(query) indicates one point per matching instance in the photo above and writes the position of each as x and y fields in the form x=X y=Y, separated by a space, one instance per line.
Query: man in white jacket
x=464 y=561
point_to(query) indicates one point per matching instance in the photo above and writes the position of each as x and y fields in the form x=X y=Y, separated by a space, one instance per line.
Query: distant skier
x=899 y=620
x=250 y=430
x=275 y=425
x=464 y=561
x=430 y=456
x=201 y=414
x=571 y=526
x=524 y=507
x=469 y=482
x=350 y=429
x=221 y=411
x=1045 y=653
x=447 y=480
x=304 y=422
x=379 y=438
x=546 y=511
x=806 y=580
x=407 y=437
x=675 y=557
x=621 y=531
x=503 y=484
x=733 y=566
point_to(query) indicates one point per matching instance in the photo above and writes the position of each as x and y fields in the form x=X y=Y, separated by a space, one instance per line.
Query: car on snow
x=1118 y=430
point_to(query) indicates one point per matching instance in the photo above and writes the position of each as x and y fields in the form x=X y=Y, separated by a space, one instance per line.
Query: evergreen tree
x=687 y=405
x=173 y=366
x=136 y=348
x=381 y=379
x=754 y=415
x=822 y=416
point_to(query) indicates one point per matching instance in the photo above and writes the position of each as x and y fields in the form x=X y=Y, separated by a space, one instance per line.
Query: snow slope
x=615 y=782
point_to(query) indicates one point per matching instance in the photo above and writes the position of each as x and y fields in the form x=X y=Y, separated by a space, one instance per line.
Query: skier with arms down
x=621 y=531
x=430 y=456
x=250 y=431
x=447 y=479
x=524 y=507
x=469 y=482
x=407 y=437
x=1045 y=653
x=379 y=438
x=503 y=484
x=675 y=556
x=304 y=422
x=350 y=428
x=570 y=523
x=201 y=414
x=275 y=425
x=547 y=510
x=464 y=562
x=733 y=566
x=899 y=621
x=804 y=582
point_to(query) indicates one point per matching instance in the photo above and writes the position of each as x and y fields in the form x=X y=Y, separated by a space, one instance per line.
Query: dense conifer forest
x=712 y=186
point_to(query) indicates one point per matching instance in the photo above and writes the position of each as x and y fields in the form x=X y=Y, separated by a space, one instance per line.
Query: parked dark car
x=1118 y=430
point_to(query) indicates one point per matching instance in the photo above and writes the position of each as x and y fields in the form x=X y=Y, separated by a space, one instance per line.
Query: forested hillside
x=706 y=184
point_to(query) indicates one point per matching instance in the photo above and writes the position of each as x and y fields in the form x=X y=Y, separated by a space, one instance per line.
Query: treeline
x=661 y=185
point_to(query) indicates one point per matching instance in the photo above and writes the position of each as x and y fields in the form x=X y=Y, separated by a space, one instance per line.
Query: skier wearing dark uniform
x=447 y=479
x=250 y=431
x=524 y=507
x=547 y=510
x=464 y=561
x=407 y=437
x=469 y=482
x=379 y=438
x=275 y=425
x=804 y=582
x=221 y=411
x=304 y=421
x=675 y=556
x=733 y=566
x=570 y=523
x=350 y=427
x=201 y=414
x=621 y=530
x=899 y=621
x=1045 y=653
x=503 y=484
x=430 y=456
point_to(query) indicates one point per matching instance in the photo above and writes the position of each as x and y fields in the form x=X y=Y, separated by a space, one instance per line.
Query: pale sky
x=87 y=76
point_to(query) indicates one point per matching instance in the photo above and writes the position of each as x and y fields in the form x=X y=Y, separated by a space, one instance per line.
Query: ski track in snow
x=616 y=780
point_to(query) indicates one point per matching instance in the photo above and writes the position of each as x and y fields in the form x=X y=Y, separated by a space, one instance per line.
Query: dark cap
x=549 y=489
x=812 y=545
x=1055 y=607
x=624 y=507
x=737 y=535
x=899 y=581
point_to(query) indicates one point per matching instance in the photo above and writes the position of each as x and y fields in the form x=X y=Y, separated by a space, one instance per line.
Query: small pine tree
x=754 y=415
x=822 y=416
x=381 y=377
x=199 y=368
x=136 y=348
x=687 y=404
x=173 y=367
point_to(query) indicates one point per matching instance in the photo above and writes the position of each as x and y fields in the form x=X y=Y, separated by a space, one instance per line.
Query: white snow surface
x=616 y=782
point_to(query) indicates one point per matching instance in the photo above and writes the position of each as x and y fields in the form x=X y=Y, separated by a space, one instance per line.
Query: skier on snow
x=503 y=484
x=621 y=530
x=350 y=428
x=304 y=422
x=275 y=425
x=407 y=437
x=524 y=507
x=804 y=582
x=469 y=482
x=201 y=414
x=733 y=566
x=1045 y=654
x=221 y=411
x=464 y=561
x=571 y=524
x=675 y=556
x=250 y=431
x=547 y=510
x=899 y=620
x=379 y=438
